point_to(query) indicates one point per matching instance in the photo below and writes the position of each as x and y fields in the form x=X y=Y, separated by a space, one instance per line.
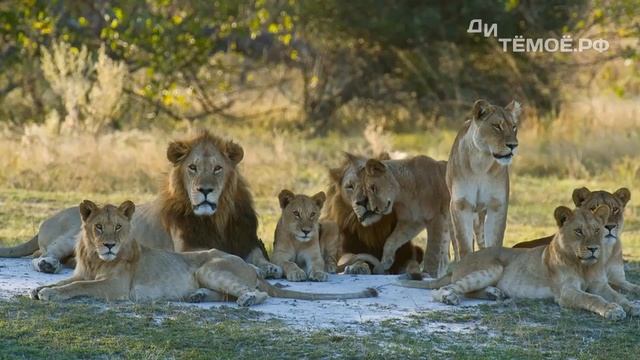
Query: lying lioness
x=570 y=270
x=111 y=265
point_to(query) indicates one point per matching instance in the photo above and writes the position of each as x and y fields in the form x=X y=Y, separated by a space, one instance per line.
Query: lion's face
x=107 y=228
x=495 y=129
x=300 y=214
x=582 y=232
x=380 y=186
x=352 y=189
x=590 y=200
x=204 y=168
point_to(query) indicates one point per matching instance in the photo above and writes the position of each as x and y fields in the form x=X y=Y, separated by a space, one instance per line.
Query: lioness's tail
x=427 y=284
x=275 y=291
x=350 y=259
x=21 y=250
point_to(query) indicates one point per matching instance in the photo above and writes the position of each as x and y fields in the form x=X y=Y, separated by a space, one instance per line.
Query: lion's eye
x=312 y=215
x=98 y=228
x=593 y=208
x=193 y=167
x=296 y=213
x=349 y=187
x=373 y=189
x=515 y=128
x=118 y=227
x=597 y=230
x=217 y=169
x=616 y=211
x=497 y=127
x=579 y=232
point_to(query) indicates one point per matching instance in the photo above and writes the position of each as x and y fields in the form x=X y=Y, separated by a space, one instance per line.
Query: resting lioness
x=113 y=266
x=612 y=249
x=301 y=241
x=569 y=270
x=416 y=190
x=478 y=175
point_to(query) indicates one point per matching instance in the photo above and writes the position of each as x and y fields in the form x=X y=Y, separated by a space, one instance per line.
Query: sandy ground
x=17 y=277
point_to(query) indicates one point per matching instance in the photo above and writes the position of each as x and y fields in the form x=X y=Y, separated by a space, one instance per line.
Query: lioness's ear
x=127 y=208
x=580 y=195
x=285 y=198
x=87 y=207
x=384 y=156
x=177 y=151
x=234 y=152
x=515 y=109
x=354 y=159
x=562 y=214
x=480 y=108
x=602 y=212
x=375 y=167
x=623 y=194
x=319 y=199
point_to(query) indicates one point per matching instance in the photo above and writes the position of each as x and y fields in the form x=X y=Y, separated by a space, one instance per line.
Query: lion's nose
x=610 y=226
x=512 y=146
x=306 y=232
x=109 y=245
x=205 y=191
x=593 y=249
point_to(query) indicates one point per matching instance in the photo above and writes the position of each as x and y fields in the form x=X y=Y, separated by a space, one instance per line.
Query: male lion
x=570 y=269
x=478 y=175
x=612 y=249
x=113 y=266
x=348 y=207
x=303 y=242
x=205 y=203
x=416 y=190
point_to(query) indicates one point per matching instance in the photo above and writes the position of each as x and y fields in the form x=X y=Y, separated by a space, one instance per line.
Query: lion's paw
x=48 y=294
x=614 y=312
x=296 y=275
x=197 y=296
x=271 y=271
x=33 y=293
x=446 y=296
x=331 y=267
x=318 y=276
x=359 y=268
x=47 y=265
x=633 y=310
x=493 y=293
x=251 y=298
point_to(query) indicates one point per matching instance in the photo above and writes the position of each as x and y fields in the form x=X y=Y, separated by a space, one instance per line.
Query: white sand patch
x=17 y=277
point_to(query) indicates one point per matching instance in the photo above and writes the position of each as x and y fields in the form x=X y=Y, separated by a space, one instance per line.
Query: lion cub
x=301 y=241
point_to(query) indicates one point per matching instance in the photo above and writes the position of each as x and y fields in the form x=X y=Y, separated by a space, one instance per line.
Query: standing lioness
x=570 y=270
x=478 y=175
x=111 y=265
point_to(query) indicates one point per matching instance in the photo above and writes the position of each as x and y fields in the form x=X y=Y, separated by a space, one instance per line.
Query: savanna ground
x=593 y=144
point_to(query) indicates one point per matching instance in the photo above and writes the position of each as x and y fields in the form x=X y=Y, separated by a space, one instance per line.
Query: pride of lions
x=197 y=240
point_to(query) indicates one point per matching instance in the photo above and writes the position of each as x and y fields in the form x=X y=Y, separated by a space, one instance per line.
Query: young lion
x=478 y=175
x=301 y=241
x=113 y=266
x=416 y=190
x=570 y=269
x=612 y=249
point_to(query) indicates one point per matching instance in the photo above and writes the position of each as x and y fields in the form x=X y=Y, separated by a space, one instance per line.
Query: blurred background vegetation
x=91 y=91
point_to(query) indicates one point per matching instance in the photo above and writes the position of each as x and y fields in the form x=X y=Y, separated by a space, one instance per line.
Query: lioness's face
x=353 y=192
x=586 y=199
x=107 y=227
x=582 y=232
x=495 y=129
x=205 y=169
x=380 y=187
x=300 y=214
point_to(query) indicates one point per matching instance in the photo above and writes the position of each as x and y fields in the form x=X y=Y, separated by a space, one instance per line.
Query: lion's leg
x=225 y=277
x=488 y=293
x=402 y=234
x=576 y=298
x=495 y=224
x=256 y=257
x=330 y=242
x=34 y=292
x=478 y=229
x=436 y=256
x=618 y=279
x=101 y=289
x=611 y=295
x=52 y=255
x=315 y=268
x=359 y=267
x=462 y=216
x=470 y=283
